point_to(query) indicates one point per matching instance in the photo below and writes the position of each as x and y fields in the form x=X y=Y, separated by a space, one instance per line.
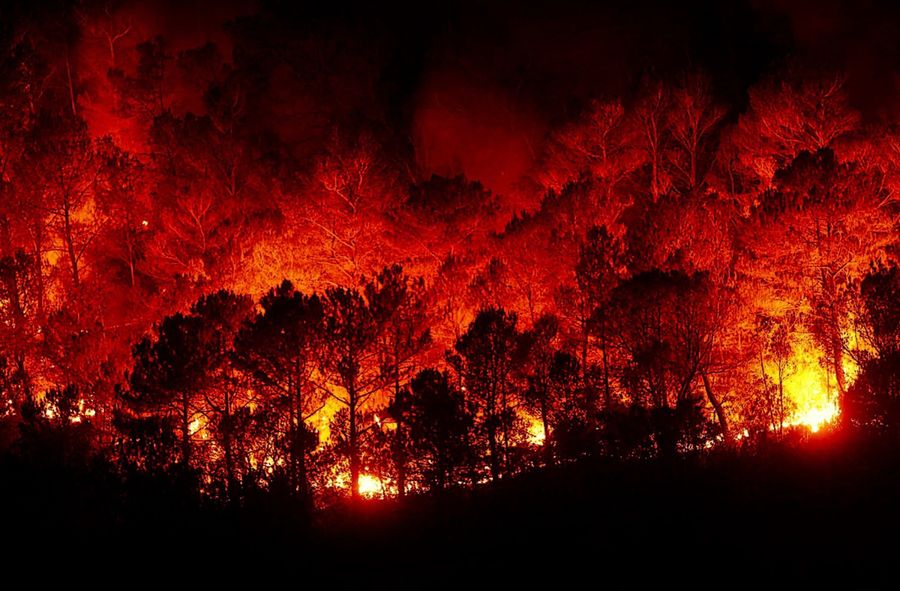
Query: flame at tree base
x=370 y=486
x=817 y=417
x=810 y=391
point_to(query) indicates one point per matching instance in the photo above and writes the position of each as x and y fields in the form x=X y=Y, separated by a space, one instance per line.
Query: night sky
x=473 y=87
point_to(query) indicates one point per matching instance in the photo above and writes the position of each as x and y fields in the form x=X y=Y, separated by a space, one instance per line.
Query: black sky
x=564 y=50
x=474 y=86
x=557 y=50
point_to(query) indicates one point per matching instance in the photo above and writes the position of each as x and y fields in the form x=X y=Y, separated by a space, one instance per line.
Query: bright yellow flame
x=369 y=486
x=811 y=389
x=535 y=431
x=815 y=418
x=808 y=389
x=197 y=426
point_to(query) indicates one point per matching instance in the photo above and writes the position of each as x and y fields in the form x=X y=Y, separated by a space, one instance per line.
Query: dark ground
x=826 y=510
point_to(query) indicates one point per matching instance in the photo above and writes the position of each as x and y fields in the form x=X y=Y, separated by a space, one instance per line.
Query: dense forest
x=232 y=260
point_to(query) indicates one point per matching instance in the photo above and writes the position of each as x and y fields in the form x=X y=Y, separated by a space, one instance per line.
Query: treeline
x=305 y=393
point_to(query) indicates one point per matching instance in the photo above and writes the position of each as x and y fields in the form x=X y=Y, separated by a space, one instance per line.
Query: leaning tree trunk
x=545 y=423
x=70 y=245
x=717 y=406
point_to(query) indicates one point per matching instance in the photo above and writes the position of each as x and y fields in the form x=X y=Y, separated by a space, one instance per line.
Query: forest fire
x=330 y=261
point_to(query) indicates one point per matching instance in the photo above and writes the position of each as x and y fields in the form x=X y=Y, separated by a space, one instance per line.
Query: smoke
x=857 y=37
x=475 y=128
x=474 y=87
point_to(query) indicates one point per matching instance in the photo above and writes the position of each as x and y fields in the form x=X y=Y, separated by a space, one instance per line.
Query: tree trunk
x=838 y=355
x=185 y=431
x=292 y=439
x=131 y=257
x=470 y=465
x=830 y=295
x=442 y=473
x=765 y=385
x=23 y=378
x=607 y=394
x=302 y=472
x=298 y=446
x=354 y=443
x=399 y=440
x=491 y=417
x=492 y=448
x=229 y=454
x=504 y=431
x=717 y=406
x=585 y=338
x=400 y=459
x=39 y=267
x=70 y=245
x=780 y=399
x=71 y=85
x=693 y=180
x=653 y=139
x=6 y=248
x=545 y=422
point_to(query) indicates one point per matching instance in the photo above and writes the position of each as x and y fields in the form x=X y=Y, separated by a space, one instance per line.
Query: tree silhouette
x=485 y=362
x=400 y=304
x=357 y=327
x=439 y=421
x=667 y=324
x=874 y=399
x=225 y=395
x=597 y=272
x=539 y=353
x=62 y=153
x=19 y=306
x=281 y=350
